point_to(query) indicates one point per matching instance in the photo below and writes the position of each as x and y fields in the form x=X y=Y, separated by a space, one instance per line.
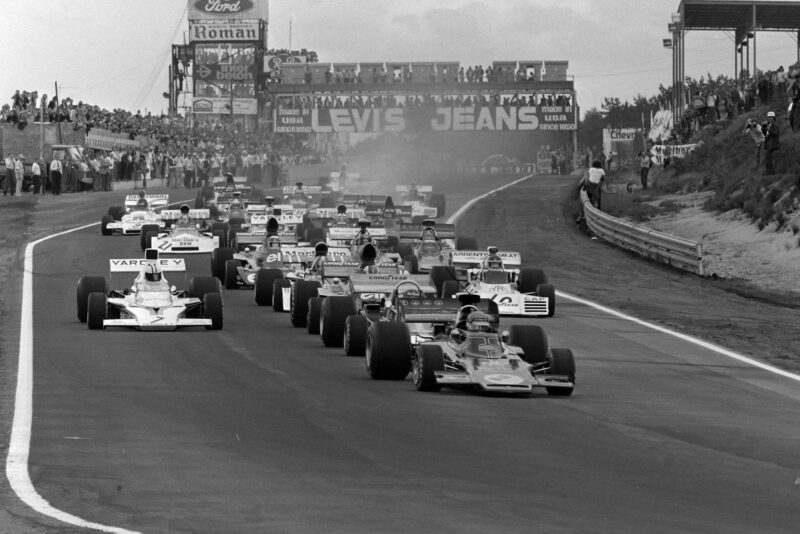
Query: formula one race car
x=467 y=351
x=425 y=204
x=188 y=233
x=139 y=210
x=497 y=276
x=150 y=303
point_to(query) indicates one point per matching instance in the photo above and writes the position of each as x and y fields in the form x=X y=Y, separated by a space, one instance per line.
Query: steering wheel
x=396 y=291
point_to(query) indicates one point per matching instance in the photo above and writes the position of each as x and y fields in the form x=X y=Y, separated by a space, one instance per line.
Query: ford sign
x=223 y=7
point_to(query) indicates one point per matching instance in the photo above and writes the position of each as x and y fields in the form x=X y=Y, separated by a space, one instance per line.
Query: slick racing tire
x=334 y=313
x=199 y=286
x=263 y=285
x=231 y=278
x=562 y=362
x=278 y=285
x=97 y=310
x=313 y=315
x=315 y=235
x=549 y=292
x=442 y=273
x=466 y=243
x=87 y=285
x=104 y=224
x=450 y=288
x=212 y=309
x=298 y=305
x=144 y=238
x=388 y=351
x=220 y=256
x=116 y=212
x=532 y=340
x=355 y=335
x=221 y=237
x=530 y=279
x=411 y=264
x=427 y=360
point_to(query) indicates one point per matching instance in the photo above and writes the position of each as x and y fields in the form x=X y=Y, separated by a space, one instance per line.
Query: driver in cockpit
x=428 y=234
x=230 y=183
x=184 y=220
x=150 y=279
x=493 y=262
x=362 y=237
x=141 y=203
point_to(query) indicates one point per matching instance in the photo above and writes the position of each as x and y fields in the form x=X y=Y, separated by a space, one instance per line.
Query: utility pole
x=58 y=117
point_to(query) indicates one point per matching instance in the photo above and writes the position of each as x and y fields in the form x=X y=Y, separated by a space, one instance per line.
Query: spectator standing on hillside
x=8 y=176
x=772 y=142
x=752 y=129
x=36 y=174
x=56 y=170
x=19 y=174
x=645 y=162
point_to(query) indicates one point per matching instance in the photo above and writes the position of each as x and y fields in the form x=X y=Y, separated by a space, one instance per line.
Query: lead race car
x=466 y=351
x=138 y=211
x=151 y=303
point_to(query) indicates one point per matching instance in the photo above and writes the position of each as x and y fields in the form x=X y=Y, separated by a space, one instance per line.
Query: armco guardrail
x=665 y=248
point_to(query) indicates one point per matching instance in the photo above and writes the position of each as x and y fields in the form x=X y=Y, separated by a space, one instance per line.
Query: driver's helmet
x=362 y=238
x=237 y=199
x=410 y=292
x=479 y=322
x=272 y=242
x=428 y=233
x=152 y=273
x=362 y=203
x=370 y=269
x=494 y=261
x=184 y=209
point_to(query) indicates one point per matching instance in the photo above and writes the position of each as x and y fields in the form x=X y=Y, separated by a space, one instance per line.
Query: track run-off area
x=260 y=428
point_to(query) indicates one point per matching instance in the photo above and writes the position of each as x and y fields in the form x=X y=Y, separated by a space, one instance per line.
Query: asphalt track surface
x=259 y=428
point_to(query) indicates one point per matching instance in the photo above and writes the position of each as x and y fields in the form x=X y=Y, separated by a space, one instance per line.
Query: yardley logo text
x=220 y=7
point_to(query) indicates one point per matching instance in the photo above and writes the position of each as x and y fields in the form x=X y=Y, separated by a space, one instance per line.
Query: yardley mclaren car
x=150 y=302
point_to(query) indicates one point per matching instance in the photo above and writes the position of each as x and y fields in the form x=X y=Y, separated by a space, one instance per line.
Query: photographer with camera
x=772 y=141
x=754 y=130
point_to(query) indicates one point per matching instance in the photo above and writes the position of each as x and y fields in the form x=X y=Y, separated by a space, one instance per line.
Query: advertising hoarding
x=222 y=31
x=228 y=10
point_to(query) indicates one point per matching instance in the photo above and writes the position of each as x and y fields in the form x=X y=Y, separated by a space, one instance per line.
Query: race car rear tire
x=217 y=225
x=116 y=212
x=392 y=243
x=562 y=362
x=97 y=310
x=144 y=239
x=442 y=273
x=355 y=335
x=334 y=313
x=86 y=286
x=104 y=224
x=411 y=264
x=530 y=279
x=231 y=278
x=199 y=286
x=315 y=235
x=532 y=339
x=219 y=256
x=405 y=251
x=221 y=237
x=438 y=202
x=278 y=285
x=233 y=229
x=428 y=360
x=298 y=306
x=213 y=309
x=313 y=315
x=549 y=292
x=466 y=243
x=388 y=351
x=450 y=288
x=265 y=279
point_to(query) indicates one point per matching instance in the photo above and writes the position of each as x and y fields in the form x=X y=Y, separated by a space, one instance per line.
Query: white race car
x=497 y=276
x=129 y=219
x=184 y=237
x=151 y=303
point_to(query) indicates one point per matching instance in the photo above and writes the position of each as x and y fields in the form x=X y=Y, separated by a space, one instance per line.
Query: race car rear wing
x=223 y=180
x=310 y=189
x=354 y=175
x=468 y=258
x=420 y=188
x=153 y=201
x=413 y=231
x=338 y=233
x=349 y=268
x=350 y=199
x=427 y=310
x=386 y=283
x=134 y=265
x=203 y=213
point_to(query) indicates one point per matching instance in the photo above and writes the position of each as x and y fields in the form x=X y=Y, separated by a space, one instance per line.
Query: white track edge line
x=599 y=307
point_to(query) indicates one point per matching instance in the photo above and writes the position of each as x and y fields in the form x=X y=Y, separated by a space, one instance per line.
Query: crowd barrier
x=675 y=251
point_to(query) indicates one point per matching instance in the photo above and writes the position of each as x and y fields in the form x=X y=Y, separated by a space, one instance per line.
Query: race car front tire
x=334 y=313
x=298 y=306
x=388 y=351
x=562 y=362
x=144 y=238
x=532 y=339
x=231 y=278
x=428 y=360
x=219 y=256
x=213 y=309
x=116 y=212
x=355 y=335
x=549 y=292
x=263 y=285
x=86 y=286
x=530 y=279
x=97 y=310
x=313 y=315
x=278 y=285
x=104 y=224
x=199 y=286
